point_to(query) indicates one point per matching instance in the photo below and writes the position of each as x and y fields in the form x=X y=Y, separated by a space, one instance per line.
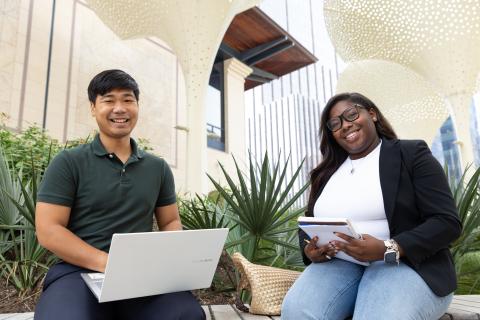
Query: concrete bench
x=464 y=307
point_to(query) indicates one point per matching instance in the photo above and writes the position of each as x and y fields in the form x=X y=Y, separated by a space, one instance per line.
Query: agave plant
x=9 y=215
x=288 y=258
x=23 y=262
x=209 y=212
x=262 y=206
x=204 y=213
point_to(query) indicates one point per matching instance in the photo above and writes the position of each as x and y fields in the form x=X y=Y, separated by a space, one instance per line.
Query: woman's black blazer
x=420 y=210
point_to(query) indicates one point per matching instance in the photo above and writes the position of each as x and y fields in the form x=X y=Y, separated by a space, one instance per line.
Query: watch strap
x=391 y=249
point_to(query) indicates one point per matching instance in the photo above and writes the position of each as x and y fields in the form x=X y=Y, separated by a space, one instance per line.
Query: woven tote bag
x=268 y=285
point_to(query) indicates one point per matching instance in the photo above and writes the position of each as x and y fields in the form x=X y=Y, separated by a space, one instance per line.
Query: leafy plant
x=34 y=142
x=204 y=213
x=466 y=249
x=210 y=212
x=23 y=262
x=261 y=206
x=9 y=214
x=286 y=257
x=466 y=195
x=468 y=279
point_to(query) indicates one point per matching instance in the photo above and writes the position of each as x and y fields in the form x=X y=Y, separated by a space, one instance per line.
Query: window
x=215 y=109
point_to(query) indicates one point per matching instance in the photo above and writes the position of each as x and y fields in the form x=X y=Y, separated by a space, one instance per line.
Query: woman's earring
x=374 y=119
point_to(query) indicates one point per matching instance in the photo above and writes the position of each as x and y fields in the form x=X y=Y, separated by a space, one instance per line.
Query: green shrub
x=34 y=143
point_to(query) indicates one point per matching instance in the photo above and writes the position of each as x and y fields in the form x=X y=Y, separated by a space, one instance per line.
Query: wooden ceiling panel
x=253 y=28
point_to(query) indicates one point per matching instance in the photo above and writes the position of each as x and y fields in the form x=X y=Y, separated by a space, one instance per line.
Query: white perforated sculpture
x=194 y=30
x=405 y=98
x=438 y=39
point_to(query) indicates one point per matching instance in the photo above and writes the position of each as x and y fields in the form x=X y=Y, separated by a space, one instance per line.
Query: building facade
x=49 y=51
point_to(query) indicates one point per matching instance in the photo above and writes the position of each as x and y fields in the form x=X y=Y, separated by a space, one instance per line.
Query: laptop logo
x=203 y=260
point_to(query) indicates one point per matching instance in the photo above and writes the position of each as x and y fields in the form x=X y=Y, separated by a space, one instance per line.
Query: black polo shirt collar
x=99 y=149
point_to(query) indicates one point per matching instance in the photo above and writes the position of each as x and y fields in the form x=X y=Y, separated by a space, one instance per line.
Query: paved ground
x=465 y=307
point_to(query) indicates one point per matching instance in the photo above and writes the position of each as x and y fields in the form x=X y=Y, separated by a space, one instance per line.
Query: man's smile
x=119 y=120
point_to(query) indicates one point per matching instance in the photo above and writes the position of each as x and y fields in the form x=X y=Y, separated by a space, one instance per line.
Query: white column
x=196 y=178
x=235 y=73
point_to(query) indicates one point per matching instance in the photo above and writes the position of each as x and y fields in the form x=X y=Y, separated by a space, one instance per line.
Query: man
x=97 y=189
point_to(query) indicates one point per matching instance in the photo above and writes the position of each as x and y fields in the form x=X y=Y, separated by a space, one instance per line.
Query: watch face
x=390 y=257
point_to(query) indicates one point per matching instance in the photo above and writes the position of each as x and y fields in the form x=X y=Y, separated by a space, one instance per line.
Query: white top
x=354 y=192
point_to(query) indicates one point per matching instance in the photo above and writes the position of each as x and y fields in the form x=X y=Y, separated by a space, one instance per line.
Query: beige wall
x=83 y=46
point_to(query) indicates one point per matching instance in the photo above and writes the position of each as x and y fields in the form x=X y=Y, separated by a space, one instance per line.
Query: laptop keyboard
x=96 y=276
x=98 y=284
x=97 y=279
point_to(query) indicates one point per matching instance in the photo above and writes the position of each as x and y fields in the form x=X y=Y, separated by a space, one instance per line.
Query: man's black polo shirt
x=105 y=195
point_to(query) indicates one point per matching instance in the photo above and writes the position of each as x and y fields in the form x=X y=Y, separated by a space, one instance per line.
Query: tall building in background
x=446 y=150
x=475 y=131
x=444 y=146
x=283 y=115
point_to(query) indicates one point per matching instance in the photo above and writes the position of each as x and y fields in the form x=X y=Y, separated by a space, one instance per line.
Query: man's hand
x=319 y=254
x=366 y=249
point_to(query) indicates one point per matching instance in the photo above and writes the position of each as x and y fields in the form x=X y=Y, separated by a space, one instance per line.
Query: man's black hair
x=109 y=80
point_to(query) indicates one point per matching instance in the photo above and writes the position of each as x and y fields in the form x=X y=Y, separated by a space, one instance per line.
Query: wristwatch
x=392 y=253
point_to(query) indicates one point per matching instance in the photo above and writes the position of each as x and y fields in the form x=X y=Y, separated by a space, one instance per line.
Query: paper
x=325 y=233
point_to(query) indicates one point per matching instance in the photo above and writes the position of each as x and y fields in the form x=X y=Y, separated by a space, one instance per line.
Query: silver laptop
x=151 y=263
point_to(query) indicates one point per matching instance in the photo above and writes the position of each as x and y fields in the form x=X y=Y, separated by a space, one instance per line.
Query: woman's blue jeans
x=338 y=289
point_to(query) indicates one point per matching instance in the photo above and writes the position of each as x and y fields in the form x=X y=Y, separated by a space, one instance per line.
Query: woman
x=397 y=194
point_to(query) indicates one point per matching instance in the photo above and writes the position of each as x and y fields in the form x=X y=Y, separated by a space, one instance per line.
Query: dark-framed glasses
x=350 y=114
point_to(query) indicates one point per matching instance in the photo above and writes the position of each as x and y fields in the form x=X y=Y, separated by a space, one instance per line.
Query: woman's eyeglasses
x=351 y=114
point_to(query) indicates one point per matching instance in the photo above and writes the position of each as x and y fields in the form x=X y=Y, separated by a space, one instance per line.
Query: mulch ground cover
x=12 y=302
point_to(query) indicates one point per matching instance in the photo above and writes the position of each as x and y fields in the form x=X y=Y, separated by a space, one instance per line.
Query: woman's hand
x=319 y=254
x=366 y=249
